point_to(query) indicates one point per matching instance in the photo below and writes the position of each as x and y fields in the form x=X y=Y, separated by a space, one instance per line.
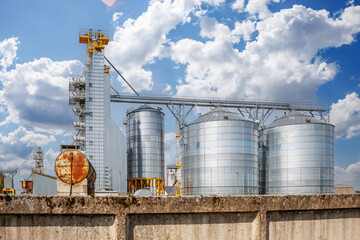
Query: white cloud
x=11 y=164
x=281 y=64
x=345 y=114
x=167 y=89
x=28 y=138
x=20 y=155
x=254 y=7
x=238 y=5
x=258 y=7
x=213 y=2
x=200 y=13
x=350 y=175
x=210 y=28
x=35 y=94
x=244 y=29
x=8 y=48
x=139 y=41
x=49 y=161
x=350 y=3
x=116 y=16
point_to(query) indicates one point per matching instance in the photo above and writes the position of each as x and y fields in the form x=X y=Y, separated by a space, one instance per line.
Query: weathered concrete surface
x=321 y=225
x=38 y=226
x=247 y=217
x=193 y=226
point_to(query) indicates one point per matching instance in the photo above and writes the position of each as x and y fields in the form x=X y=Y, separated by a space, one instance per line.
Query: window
x=90 y=128
x=90 y=84
x=91 y=157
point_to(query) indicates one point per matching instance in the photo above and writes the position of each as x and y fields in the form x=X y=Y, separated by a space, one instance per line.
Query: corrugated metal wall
x=43 y=185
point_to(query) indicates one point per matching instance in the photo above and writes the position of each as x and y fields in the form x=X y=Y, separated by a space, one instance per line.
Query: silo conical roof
x=144 y=107
x=219 y=114
x=293 y=118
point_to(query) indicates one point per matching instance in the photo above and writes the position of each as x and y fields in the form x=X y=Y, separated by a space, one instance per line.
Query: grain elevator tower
x=98 y=136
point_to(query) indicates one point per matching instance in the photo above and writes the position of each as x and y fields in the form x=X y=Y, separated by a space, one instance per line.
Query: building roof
x=220 y=114
x=344 y=189
x=293 y=118
x=144 y=107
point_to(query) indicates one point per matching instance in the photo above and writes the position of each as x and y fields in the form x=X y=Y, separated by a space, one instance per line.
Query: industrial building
x=228 y=153
x=222 y=152
x=98 y=136
x=298 y=156
x=221 y=155
x=145 y=149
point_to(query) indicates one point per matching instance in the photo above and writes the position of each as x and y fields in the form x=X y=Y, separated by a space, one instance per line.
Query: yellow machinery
x=7 y=182
x=178 y=163
x=9 y=191
x=96 y=41
x=157 y=184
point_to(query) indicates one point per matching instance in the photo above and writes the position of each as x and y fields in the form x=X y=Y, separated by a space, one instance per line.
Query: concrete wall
x=246 y=217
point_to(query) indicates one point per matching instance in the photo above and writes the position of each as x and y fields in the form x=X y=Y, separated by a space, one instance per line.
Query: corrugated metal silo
x=220 y=155
x=298 y=156
x=145 y=144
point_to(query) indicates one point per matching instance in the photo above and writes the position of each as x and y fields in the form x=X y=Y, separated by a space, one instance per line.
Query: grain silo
x=220 y=155
x=298 y=156
x=145 y=148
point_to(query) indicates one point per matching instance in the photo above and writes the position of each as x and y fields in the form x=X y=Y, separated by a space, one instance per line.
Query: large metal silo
x=220 y=155
x=298 y=156
x=145 y=143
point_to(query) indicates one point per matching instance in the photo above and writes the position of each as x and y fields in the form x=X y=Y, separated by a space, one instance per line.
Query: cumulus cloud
x=11 y=159
x=35 y=94
x=8 y=48
x=254 y=7
x=49 y=161
x=139 y=41
x=244 y=29
x=349 y=175
x=116 y=16
x=345 y=114
x=16 y=151
x=28 y=138
x=238 y=5
x=167 y=89
x=213 y=2
x=282 y=63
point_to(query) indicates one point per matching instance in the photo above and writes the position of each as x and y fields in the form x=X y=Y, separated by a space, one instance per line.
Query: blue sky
x=279 y=50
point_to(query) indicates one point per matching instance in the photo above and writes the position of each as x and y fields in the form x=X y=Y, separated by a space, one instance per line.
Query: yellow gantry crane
x=96 y=41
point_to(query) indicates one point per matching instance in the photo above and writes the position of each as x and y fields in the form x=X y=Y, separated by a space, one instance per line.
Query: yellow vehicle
x=9 y=191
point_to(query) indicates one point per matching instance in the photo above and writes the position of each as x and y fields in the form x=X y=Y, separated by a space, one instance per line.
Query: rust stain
x=71 y=166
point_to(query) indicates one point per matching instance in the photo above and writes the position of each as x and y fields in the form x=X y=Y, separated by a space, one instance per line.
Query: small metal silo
x=220 y=155
x=298 y=156
x=145 y=143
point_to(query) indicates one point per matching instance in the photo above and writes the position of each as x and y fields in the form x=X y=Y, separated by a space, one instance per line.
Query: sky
x=273 y=50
